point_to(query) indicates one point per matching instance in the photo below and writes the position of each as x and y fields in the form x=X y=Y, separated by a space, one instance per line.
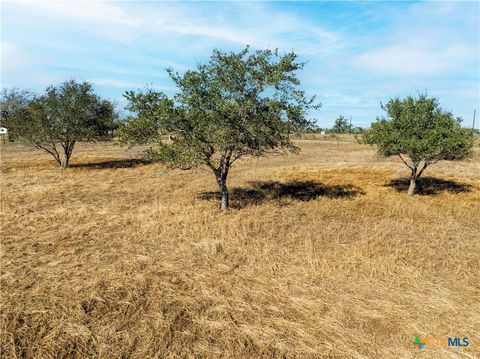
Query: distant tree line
x=330 y=130
x=341 y=126
x=237 y=104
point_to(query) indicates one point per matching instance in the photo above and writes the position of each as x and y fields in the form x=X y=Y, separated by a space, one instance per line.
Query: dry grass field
x=320 y=257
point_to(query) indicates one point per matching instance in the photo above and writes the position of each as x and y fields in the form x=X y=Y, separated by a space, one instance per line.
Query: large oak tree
x=238 y=104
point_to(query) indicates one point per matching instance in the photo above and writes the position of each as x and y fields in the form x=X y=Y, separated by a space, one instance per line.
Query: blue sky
x=359 y=53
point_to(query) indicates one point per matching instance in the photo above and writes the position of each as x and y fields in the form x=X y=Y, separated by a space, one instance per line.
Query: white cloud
x=7 y=50
x=84 y=11
x=13 y=59
x=412 y=59
x=123 y=22
x=430 y=38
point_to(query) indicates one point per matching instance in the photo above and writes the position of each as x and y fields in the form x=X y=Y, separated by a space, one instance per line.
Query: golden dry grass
x=317 y=259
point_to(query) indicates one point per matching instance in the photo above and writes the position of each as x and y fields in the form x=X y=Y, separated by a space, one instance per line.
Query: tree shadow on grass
x=428 y=186
x=130 y=163
x=260 y=192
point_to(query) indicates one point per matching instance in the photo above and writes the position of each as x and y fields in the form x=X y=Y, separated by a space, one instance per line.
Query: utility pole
x=473 y=124
x=350 y=127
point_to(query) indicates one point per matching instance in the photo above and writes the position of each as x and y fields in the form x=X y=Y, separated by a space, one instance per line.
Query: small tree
x=357 y=130
x=64 y=115
x=341 y=125
x=237 y=104
x=11 y=101
x=420 y=133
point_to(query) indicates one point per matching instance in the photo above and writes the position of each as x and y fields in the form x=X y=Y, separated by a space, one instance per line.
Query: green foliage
x=420 y=133
x=56 y=120
x=153 y=111
x=12 y=101
x=420 y=129
x=341 y=125
x=238 y=104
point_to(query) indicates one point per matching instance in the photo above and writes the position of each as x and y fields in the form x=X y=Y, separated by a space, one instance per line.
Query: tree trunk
x=67 y=153
x=65 y=160
x=222 y=183
x=413 y=186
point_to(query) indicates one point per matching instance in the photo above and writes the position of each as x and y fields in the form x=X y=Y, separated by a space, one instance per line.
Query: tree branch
x=423 y=168
x=52 y=150
x=399 y=155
